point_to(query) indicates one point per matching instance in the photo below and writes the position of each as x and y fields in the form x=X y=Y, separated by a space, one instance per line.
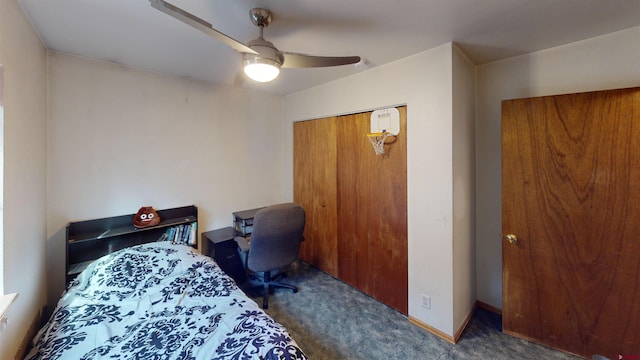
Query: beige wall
x=24 y=61
x=463 y=221
x=425 y=83
x=120 y=138
x=605 y=62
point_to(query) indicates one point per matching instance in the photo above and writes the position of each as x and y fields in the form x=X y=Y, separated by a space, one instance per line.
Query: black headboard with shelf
x=90 y=239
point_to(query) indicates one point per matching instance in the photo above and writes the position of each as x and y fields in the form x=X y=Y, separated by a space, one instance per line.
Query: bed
x=159 y=301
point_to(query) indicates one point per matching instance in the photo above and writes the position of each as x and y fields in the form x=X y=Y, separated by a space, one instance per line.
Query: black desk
x=223 y=249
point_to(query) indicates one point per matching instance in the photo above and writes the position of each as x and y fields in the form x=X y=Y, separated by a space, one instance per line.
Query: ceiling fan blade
x=200 y=24
x=295 y=60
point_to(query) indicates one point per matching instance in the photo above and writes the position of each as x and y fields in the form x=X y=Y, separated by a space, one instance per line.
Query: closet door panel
x=314 y=156
x=372 y=212
x=354 y=200
x=388 y=222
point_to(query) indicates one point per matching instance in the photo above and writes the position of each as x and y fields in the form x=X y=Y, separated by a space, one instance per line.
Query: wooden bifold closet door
x=356 y=203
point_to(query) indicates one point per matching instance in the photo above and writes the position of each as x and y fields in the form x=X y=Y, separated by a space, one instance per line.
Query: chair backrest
x=276 y=236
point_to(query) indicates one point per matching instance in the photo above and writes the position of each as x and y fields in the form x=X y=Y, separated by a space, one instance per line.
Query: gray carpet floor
x=331 y=320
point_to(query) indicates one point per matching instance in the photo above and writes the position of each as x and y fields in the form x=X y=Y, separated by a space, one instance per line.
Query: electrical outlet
x=426 y=301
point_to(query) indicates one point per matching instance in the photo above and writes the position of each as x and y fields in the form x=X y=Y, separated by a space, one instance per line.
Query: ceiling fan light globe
x=261 y=70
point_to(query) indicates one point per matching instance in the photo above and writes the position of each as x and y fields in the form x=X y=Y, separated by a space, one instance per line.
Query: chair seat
x=275 y=243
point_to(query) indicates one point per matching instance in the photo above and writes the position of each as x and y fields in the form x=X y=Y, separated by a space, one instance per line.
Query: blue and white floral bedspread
x=159 y=301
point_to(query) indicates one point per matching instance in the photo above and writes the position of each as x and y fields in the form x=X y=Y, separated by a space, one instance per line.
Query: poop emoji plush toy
x=146 y=217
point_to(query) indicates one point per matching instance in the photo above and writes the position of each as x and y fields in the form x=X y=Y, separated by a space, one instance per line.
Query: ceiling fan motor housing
x=266 y=51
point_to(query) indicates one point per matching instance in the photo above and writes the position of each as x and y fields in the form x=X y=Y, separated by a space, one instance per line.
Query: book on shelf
x=192 y=234
x=180 y=234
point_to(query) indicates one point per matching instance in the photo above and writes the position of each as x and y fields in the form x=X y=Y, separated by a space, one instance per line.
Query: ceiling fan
x=261 y=59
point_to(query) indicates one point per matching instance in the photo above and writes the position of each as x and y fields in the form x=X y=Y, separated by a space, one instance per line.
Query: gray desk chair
x=275 y=243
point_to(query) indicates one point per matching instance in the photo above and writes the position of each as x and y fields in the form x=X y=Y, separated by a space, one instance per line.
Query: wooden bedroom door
x=571 y=221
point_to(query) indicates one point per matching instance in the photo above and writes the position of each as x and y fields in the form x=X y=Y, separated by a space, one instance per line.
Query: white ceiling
x=132 y=33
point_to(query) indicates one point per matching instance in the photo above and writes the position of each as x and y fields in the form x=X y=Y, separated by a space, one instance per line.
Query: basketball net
x=377 y=141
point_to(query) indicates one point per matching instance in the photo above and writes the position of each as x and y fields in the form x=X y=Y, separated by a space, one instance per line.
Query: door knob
x=512 y=239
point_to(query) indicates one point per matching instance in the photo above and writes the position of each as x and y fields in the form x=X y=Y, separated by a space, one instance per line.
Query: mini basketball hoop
x=378 y=139
x=384 y=127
